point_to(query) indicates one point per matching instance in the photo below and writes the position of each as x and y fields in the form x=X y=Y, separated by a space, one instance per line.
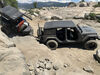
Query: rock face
x=98 y=55
x=12 y=60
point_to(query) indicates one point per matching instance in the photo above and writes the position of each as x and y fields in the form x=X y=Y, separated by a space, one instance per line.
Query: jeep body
x=12 y=21
x=66 y=32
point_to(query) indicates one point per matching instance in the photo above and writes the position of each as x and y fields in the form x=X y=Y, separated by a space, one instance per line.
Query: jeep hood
x=87 y=30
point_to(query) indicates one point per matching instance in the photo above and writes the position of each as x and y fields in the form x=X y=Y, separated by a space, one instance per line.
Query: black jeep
x=12 y=21
x=62 y=32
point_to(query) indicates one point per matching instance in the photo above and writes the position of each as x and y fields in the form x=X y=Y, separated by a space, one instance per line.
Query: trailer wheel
x=52 y=44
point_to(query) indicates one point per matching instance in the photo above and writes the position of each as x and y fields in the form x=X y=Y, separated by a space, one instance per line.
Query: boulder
x=80 y=15
x=47 y=15
x=66 y=65
x=48 y=65
x=98 y=55
x=56 y=17
x=72 y=4
x=12 y=62
x=86 y=16
x=83 y=4
x=35 y=14
x=88 y=69
x=91 y=4
x=55 y=67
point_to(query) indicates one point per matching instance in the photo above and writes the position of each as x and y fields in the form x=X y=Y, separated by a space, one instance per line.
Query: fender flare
x=90 y=36
x=52 y=38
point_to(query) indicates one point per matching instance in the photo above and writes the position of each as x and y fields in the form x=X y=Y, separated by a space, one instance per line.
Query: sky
x=63 y=1
x=30 y=1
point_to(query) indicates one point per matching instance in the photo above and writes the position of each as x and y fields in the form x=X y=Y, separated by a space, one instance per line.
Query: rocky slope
x=12 y=61
x=30 y=55
x=68 y=60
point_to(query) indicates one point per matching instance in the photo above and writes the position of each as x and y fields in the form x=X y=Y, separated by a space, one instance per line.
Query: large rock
x=83 y=4
x=91 y=4
x=88 y=69
x=49 y=16
x=56 y=17
x=80 y=15
x=12 y=62
x=72 y=4
x=98 y=55
x=96 y=10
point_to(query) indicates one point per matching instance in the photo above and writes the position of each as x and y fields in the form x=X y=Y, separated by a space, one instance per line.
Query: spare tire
x=52 y=44
x=91 y=45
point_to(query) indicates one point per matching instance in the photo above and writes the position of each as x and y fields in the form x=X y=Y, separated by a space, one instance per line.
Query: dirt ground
x=74 y=56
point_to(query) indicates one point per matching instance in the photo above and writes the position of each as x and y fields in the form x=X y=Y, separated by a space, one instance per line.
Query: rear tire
x=91 y=45
x=52 y=44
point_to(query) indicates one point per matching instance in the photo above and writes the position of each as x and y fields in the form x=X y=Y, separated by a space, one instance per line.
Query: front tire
x=52 y=44
x=91 y=45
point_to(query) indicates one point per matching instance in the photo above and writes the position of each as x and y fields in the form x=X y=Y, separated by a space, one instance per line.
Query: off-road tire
x=91 y=45
x=52 y=44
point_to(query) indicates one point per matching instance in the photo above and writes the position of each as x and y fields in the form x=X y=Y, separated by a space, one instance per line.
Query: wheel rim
x=92 y=45
x=52 y=45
